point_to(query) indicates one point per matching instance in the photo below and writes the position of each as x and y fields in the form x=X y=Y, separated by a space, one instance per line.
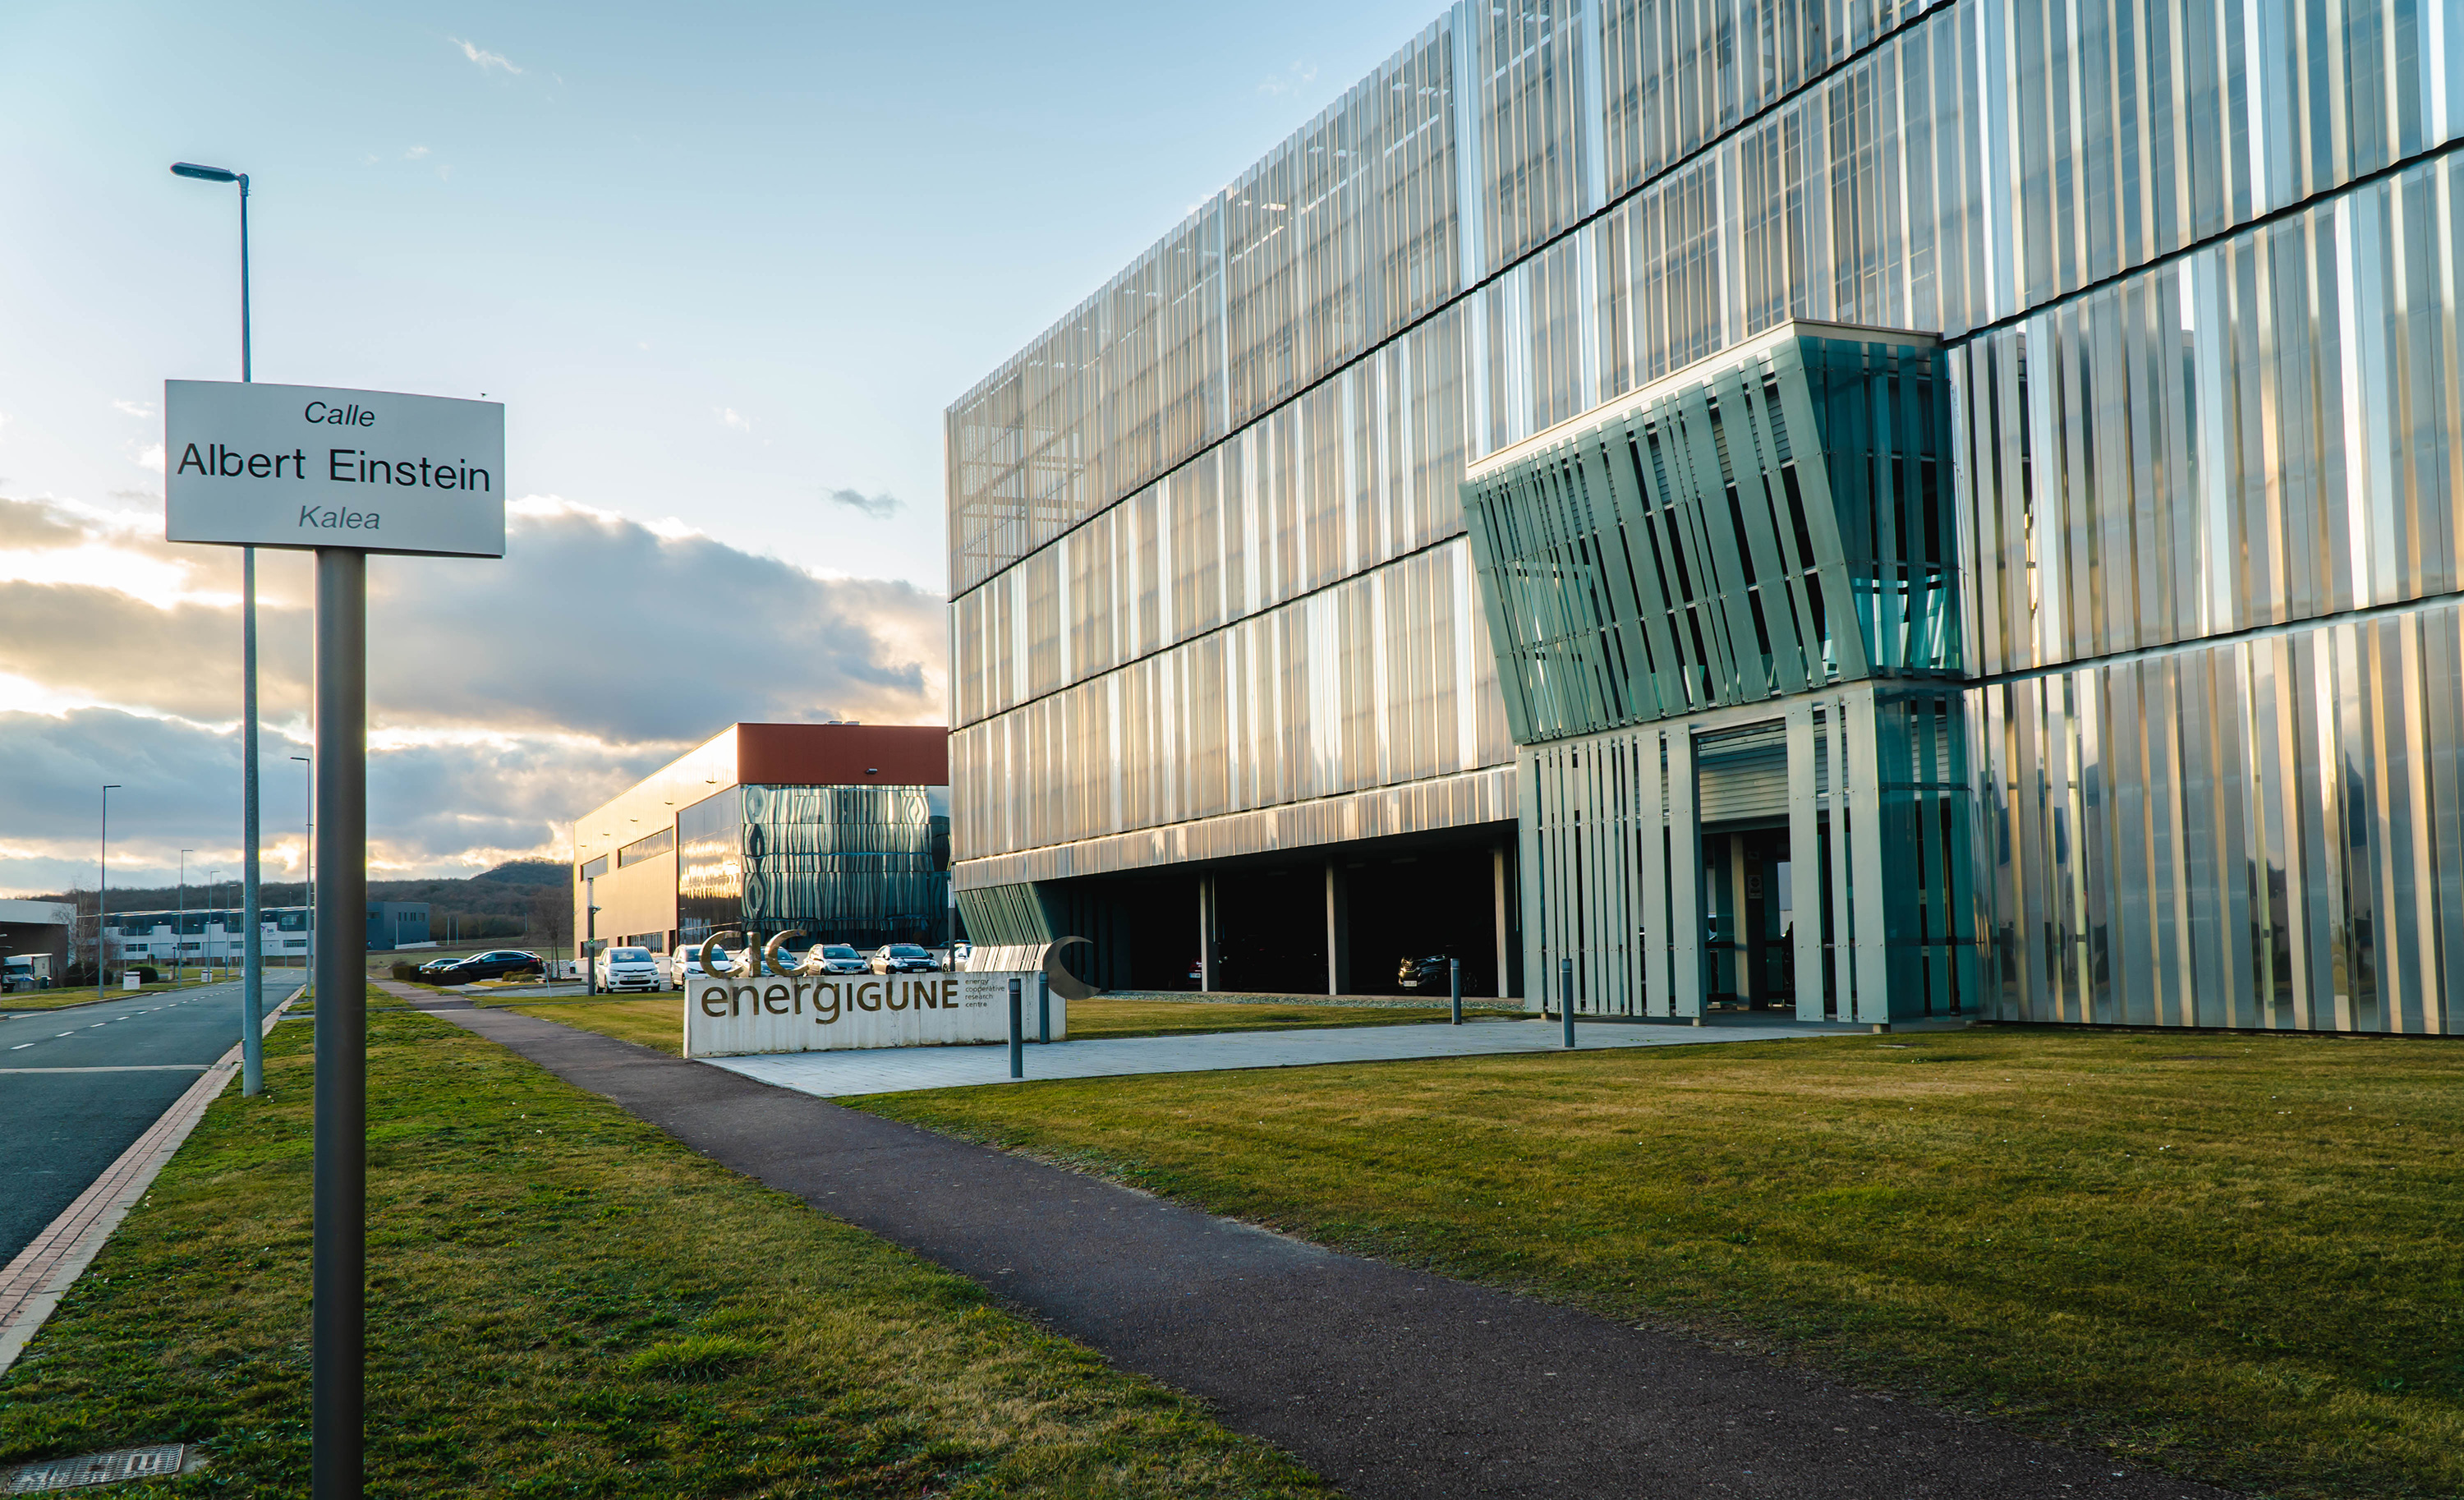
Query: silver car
x=629 y=968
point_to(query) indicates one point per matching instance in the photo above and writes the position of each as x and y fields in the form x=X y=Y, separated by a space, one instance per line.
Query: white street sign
x=303 y=466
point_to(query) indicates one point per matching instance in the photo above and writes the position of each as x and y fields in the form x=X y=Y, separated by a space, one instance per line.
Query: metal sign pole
x=339 y=1254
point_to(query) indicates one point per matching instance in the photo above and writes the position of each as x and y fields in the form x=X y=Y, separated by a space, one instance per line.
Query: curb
x=33 y=1284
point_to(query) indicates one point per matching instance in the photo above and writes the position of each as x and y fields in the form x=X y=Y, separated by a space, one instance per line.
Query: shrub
x=405 y=970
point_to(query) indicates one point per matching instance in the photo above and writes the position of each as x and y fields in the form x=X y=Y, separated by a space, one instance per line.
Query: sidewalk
x=1387 y=1382
x=902 y=1069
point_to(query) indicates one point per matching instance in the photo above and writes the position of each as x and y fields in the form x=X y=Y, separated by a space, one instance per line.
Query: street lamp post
x=213 y=900
x=180 y=928
x=308 y=868
x=251 y=1050
x=102 y=886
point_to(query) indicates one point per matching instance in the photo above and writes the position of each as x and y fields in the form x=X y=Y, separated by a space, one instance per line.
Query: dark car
x=434 y=968
x=494 y=965
x=903 y=958
x=1413 y=973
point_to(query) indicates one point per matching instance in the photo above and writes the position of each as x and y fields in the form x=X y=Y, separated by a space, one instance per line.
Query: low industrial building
x=838 y=832
x=217 y=935
x=35 y=941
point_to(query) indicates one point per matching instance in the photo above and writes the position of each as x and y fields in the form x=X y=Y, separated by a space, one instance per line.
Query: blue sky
x=721 y=262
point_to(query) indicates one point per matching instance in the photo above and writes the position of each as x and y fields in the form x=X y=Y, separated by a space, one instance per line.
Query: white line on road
x=21 y=1046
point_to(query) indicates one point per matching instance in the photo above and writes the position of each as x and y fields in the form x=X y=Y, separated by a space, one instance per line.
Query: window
x=642 y=849
x=594 y=869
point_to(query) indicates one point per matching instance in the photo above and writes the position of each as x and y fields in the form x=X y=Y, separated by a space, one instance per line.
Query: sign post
x=343 y=474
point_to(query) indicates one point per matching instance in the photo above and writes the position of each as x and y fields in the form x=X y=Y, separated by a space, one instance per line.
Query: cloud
x=1291 y=80
x=135 y=408
x=505 y=697
x=729 y=416
x=880 y=507
x=414 y=153
x=149 y=457
x=484 y=59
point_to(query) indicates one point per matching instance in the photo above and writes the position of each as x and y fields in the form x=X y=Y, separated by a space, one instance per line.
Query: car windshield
x=837 y=950
x=629 y=954
x=908 y=950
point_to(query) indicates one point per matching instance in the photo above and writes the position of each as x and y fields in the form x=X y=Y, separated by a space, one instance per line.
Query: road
x=120 y=1063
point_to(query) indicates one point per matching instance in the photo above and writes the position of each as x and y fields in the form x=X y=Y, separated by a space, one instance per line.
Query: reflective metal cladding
x=2088 y=651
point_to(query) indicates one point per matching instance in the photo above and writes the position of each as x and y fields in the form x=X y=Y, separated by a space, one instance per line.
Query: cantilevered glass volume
x=1872 y=509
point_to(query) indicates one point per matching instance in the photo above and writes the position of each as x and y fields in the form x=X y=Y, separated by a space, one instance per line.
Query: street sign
x=307 y=466
x=345 y=473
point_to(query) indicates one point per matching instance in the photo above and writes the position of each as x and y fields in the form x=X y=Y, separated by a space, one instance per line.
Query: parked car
x=493 y=964
x=434 y=970
x=1414 y=973
x=628 y=968
x=839 y=958
x=903 y=958
x=959 y=954
x=684 y=965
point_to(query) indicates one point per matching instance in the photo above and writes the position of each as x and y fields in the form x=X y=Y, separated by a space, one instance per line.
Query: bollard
x=1566 y=996
x=1044 y=1008
x=1017 y=1036
x=1454 y=987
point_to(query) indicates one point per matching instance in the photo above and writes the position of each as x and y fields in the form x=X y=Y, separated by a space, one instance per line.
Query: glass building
x=2110 y=672
x=838 y=832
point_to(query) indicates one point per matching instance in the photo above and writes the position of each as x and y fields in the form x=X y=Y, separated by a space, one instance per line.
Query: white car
x=620 y=969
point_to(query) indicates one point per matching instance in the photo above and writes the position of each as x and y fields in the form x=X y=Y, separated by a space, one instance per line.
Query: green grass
x=2239 y=1257
x=562 y=1301
x=653 y=1020
x=659 y=1020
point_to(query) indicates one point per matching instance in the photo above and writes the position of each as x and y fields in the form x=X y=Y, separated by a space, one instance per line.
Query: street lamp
x=308 y=868
x=204 y=934
x=102 y=886
x=252 y=939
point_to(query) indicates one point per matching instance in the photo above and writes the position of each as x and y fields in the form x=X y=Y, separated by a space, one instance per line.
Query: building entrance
x=1749 y=923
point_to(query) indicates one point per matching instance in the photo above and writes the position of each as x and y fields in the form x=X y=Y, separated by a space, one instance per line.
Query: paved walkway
x=901 y=1069
x=1389 y=1382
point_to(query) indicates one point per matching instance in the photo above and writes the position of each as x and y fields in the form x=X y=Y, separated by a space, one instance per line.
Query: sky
x=726 y=266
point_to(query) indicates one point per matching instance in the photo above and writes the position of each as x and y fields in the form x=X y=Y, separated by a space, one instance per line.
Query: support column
x=1206 y=943
x=1685 y=880
x=1805 y=859
x=1338 y=931
x=1741 y=937
x=1497 y=863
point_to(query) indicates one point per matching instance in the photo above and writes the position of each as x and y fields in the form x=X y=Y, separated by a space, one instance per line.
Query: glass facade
x=857 y=865
x=2192 y=266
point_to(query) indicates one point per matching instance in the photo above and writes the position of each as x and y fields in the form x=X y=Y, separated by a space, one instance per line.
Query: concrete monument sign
x=729 y=1015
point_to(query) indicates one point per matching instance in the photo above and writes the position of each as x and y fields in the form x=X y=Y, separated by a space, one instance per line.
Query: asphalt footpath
x=78 y=1086
x=1386 y=1381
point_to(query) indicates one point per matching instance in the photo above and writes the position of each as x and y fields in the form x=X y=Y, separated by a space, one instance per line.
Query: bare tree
x=551 y=917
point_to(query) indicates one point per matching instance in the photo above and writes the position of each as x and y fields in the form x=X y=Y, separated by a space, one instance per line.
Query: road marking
x=65 y=1033
x=117 y=1068
x=21 y=1046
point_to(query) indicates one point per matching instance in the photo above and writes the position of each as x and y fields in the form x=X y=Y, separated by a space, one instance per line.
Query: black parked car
x=493 y=965
x=433 y=969
x=1417 y=972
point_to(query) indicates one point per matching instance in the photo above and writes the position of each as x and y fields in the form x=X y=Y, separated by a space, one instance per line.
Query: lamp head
x=204 y=174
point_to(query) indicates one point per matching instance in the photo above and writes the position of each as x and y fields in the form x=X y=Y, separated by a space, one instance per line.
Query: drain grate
x=88 y=1469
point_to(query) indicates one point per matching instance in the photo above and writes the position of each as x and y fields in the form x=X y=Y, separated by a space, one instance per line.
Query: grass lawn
x=659 y=1020
x=563 y=1301
x=2240 y=1257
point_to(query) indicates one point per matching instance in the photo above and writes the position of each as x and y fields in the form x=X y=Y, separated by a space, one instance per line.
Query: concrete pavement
x=77 y=1087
